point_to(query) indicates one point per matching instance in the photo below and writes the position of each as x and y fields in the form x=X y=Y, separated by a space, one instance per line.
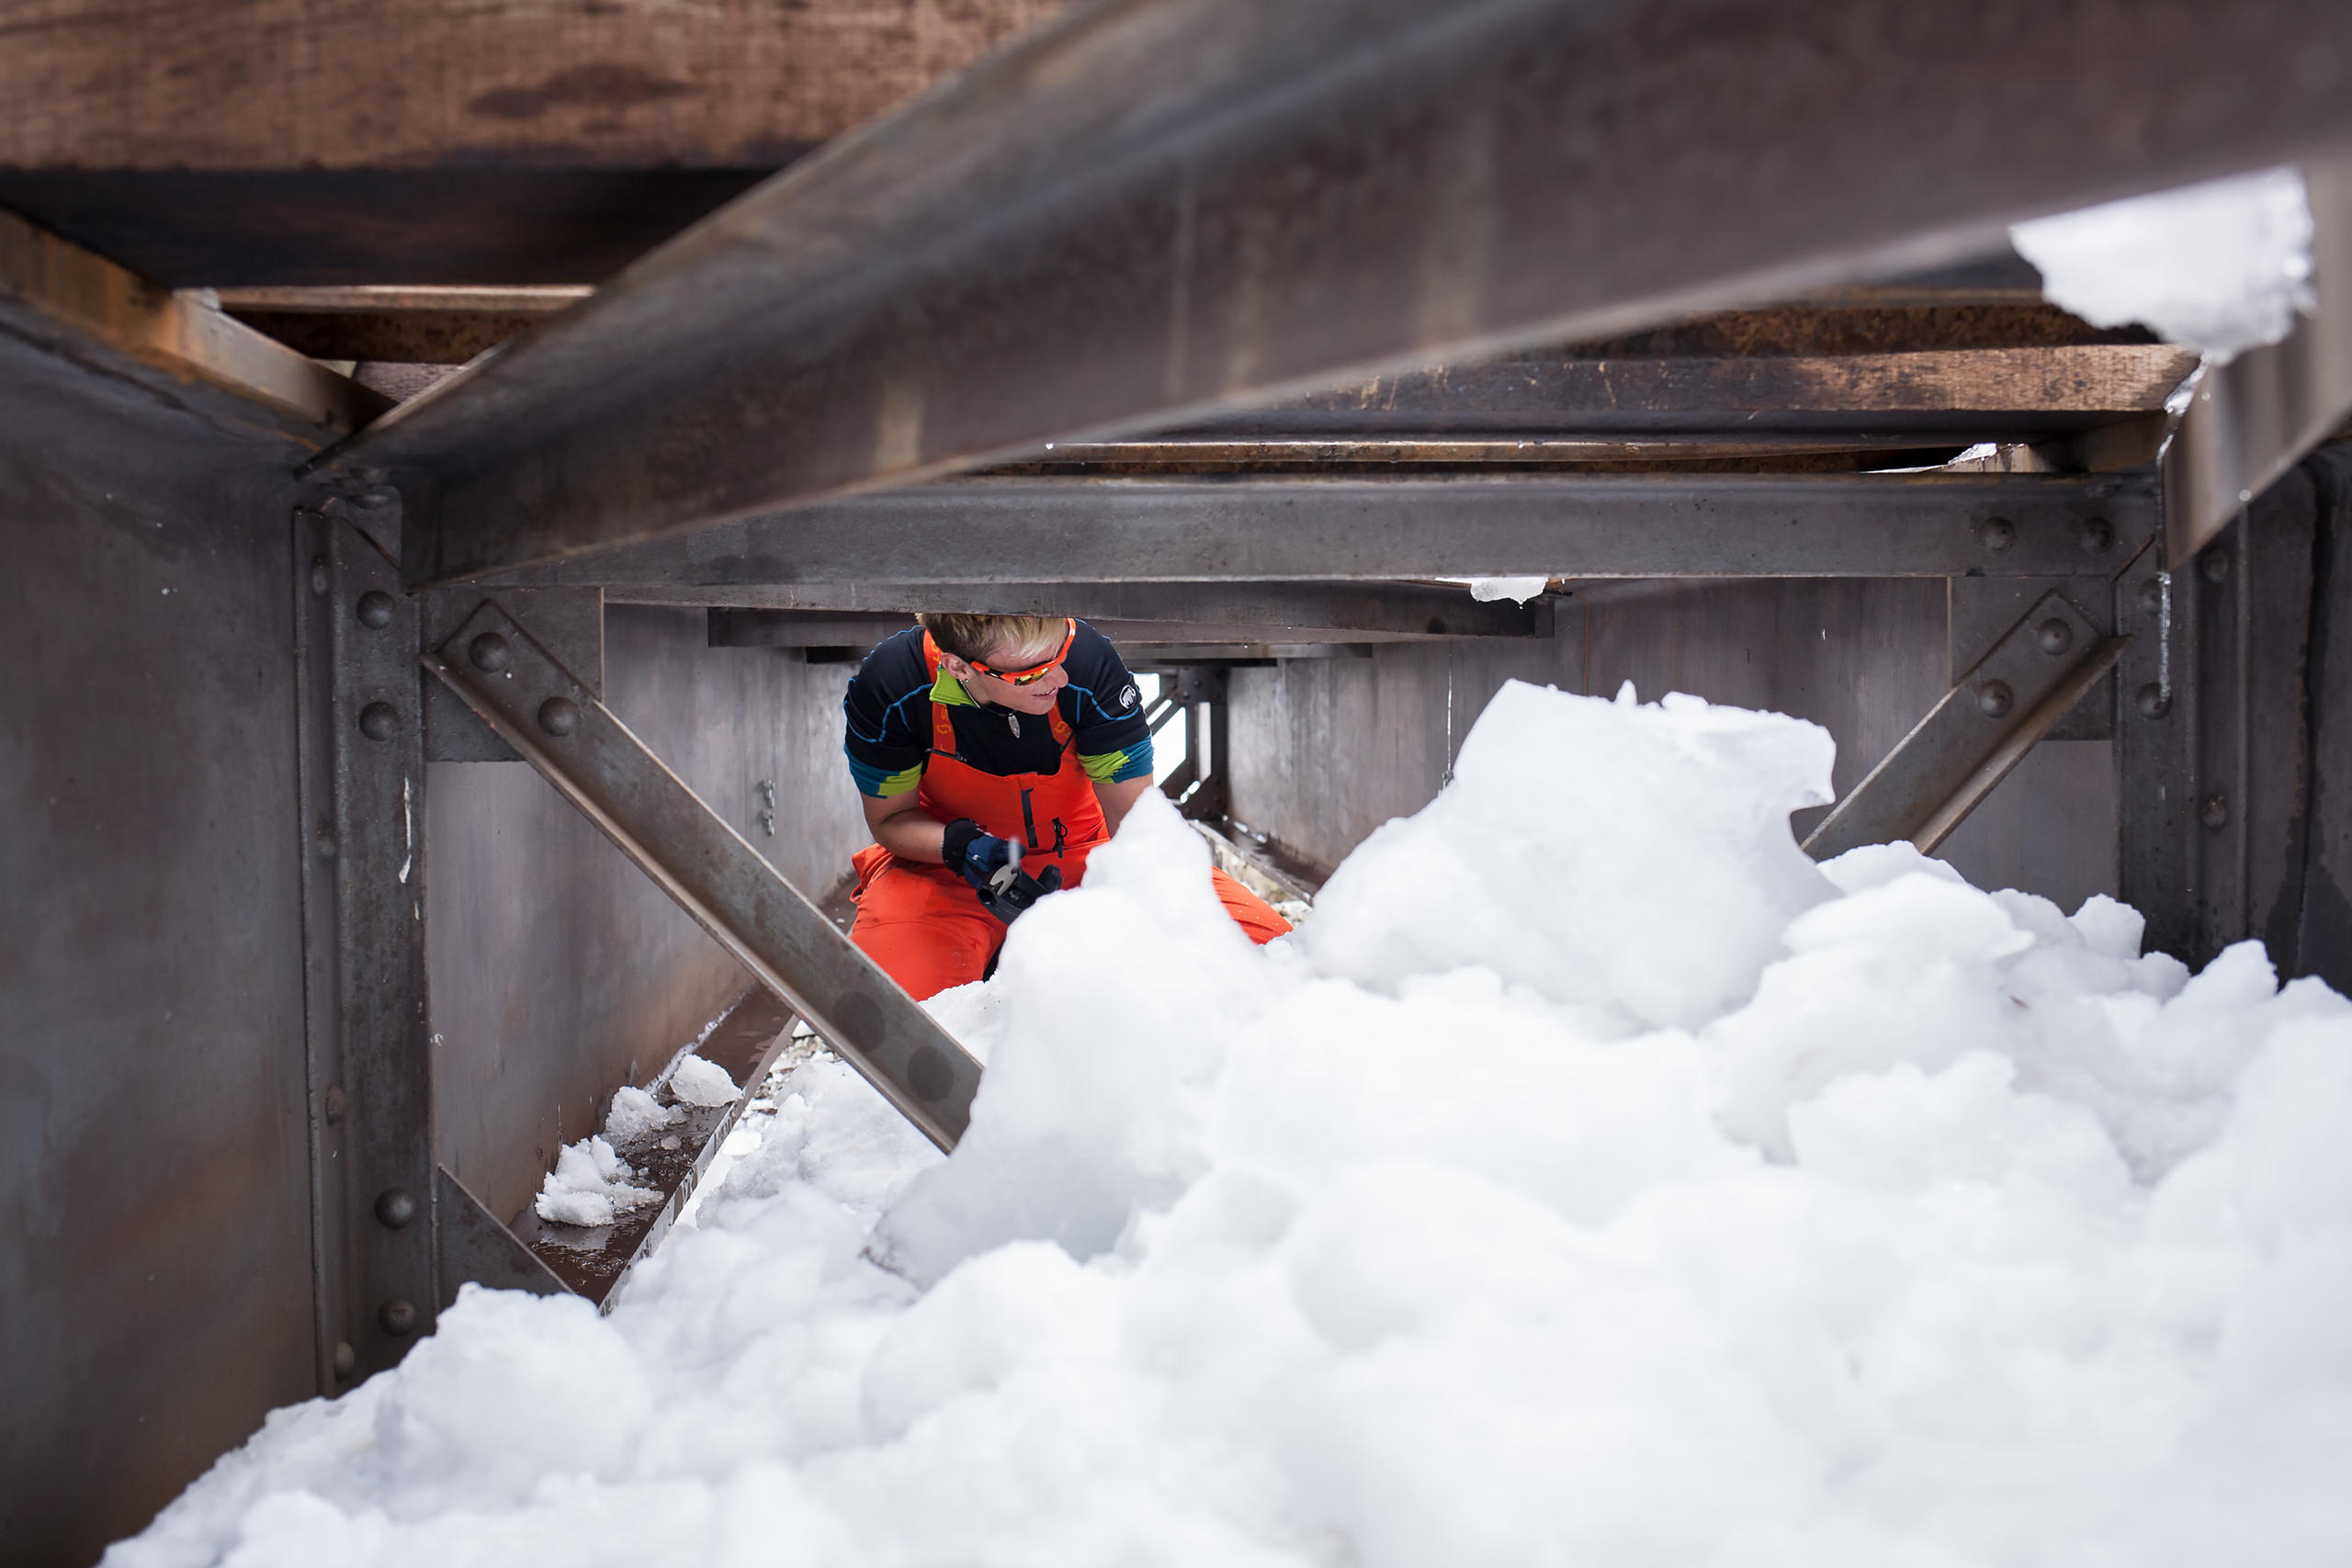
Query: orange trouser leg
x=1252 y=914
x=926 y=930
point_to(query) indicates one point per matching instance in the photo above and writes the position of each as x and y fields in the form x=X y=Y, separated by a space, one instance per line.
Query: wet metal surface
x=591 y=1260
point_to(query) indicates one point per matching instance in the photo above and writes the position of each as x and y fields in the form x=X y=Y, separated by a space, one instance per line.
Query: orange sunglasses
x=1035 y=672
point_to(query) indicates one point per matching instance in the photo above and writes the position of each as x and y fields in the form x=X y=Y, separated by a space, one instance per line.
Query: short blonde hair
x=1007 y=636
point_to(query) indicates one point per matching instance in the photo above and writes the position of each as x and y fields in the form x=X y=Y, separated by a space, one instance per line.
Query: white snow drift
x=1595 y=1181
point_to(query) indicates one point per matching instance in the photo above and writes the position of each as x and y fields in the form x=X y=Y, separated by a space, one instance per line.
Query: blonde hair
x=1009 y=637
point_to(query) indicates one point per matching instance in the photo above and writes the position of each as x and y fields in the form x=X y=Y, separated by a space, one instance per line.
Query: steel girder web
x=1207 y=530
x=1159 y=208
x=553 y=719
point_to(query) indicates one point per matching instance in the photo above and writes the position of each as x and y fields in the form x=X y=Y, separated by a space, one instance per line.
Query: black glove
x=992 y=865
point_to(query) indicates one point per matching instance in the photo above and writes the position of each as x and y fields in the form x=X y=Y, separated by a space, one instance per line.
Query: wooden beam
x=193 y=84
x=396 y=325
x=71 y=299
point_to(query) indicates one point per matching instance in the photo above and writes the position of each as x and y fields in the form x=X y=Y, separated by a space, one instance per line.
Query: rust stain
x=601 y=86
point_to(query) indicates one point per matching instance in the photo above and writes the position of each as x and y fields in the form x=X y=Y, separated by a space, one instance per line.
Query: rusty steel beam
x=1206 y=530
x=790 y=614
x=1157 y=209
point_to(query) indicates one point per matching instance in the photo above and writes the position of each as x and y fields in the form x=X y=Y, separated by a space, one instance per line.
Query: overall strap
x=943 y=729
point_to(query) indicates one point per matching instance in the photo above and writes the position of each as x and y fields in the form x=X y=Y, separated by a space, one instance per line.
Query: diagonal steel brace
x=1972 y=738
x=554 y=721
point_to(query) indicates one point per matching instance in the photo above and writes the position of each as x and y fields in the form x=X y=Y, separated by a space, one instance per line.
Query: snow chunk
x=698 y=1080
x=591 y=1185
x=2223 y=267
x=1524 y=864
x=1485 y=590
x=636 y=1116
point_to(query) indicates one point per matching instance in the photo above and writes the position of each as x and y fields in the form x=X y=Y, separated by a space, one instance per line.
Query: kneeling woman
x=992 y=754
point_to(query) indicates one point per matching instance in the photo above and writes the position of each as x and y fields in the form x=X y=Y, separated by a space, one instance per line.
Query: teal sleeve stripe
x=1118 y=767
x=873 y=781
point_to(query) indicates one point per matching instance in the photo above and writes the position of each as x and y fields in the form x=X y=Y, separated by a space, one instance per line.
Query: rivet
x=395 y=1207
x=2217 y=810
x=376 y=609
x=2054 y=635
x=1995 y=699
x=2215 y=564
x=345 y=1359
x=2152 y=597
x=2153 y=704
x=334 y=1102
x=1997 y=534
x=320 y=581
x=378 y=721
x=396 y=1317
x=489 y=653
x=559 y=716
x=377 y=500
x=323 y=841
x=2098 y=536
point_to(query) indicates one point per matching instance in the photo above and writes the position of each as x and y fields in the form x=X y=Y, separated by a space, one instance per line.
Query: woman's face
x=1036 y=698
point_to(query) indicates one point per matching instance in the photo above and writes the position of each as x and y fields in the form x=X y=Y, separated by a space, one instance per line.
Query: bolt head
x=2215 y=564
x=380 y=721
x=559 y=716
x=346 y=1361
x=320 y=580
x=376 y=609
x=1997 y=534
x=489 y=653
x=2152 y=597
x=2151 y=701
x=1993 y=699
x=376 y=500
x=323 y=841
x=2054 y=635
x=2216 y=811
x=396 y=1317
x=395 y=1207
x=335 y=1103
x=2096 y=535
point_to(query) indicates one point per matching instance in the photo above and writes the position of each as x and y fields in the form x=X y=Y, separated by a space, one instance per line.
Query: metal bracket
x=476 y=1248
x=362 y=781
x=571 y=621
x=1972 y=740
x=553 y=719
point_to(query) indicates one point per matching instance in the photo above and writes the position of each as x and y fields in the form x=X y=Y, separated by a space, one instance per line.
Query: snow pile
x=1594 y=1182
x=2223 y=267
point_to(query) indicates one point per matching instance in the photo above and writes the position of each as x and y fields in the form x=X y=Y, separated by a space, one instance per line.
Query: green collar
x=950 y=691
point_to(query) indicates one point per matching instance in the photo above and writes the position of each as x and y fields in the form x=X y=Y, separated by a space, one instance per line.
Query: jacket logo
x=1127 y=697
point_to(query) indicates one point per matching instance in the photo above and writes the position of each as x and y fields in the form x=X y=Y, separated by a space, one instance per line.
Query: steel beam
x=1020 y=531
x=553 y=719
x=362 y=779
x=1157 y=209
x=1972 y=740
x=1400 y=609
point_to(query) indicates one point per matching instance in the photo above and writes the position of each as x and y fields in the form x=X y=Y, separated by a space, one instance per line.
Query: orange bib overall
x=924 y=925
